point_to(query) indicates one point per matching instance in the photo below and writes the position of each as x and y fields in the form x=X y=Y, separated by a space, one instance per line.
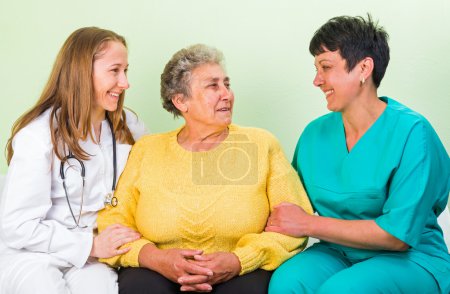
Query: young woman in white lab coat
x=65 y=156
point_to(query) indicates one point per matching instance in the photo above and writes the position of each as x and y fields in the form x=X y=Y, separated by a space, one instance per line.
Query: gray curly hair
x=177 y=73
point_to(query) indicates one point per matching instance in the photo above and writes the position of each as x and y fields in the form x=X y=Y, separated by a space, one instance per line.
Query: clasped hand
x=198 y=272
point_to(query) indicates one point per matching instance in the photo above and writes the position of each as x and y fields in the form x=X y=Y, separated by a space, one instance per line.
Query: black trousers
x=135 y=280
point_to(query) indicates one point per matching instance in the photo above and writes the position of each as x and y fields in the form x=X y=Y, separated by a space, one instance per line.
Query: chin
x=333 y=108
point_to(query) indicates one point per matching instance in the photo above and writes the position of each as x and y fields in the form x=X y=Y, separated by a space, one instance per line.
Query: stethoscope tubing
x=112 y=201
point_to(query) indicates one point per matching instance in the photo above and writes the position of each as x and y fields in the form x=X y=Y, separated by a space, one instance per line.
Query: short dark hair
x=355 y=38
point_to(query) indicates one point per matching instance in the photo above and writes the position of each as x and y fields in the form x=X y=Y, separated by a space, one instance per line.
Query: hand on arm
x=292 y=220
x=175 y=265
x=107 y=243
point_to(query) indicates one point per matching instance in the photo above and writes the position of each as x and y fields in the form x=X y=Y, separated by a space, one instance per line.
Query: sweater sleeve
x=267 y=250
x=127 y=194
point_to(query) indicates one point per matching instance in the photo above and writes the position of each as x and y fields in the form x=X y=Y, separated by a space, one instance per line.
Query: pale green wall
x=265 y=44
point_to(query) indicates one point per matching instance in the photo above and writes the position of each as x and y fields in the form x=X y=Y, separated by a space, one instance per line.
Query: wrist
x=237 y=264
x=149 y=257
x=308 y=225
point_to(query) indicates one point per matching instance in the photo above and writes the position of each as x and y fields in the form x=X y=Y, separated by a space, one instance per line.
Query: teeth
x=114 y=94
x=328 y=92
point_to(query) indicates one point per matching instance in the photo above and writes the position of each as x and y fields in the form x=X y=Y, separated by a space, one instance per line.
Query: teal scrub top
x=397 y=174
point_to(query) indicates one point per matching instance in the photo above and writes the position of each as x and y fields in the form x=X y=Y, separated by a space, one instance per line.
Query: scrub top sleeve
x=412 y=191
x=267 y=250
x=124 y=213
x=27 y=199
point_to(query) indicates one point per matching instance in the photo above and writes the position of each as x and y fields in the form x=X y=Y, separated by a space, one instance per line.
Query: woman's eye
x=227 y=85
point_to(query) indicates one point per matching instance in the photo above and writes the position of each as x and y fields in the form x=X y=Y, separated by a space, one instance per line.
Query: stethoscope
x=110 y=199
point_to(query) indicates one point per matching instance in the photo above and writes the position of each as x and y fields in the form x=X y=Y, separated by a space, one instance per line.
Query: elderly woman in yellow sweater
x=201 y=195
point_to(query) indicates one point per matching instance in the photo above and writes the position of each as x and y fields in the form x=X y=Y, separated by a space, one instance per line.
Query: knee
x=338 y=285
x=283 y=281
x=92 y=278
x=33 y=277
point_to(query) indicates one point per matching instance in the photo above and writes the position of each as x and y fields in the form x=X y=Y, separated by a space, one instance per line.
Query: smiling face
x=211 y=101
x=340 y=86
x=109 y=78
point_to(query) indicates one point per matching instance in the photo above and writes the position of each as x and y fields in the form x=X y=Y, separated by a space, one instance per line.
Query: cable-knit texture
x=216 y=200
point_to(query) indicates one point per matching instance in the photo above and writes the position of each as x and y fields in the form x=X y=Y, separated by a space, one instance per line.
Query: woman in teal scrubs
x=376 y=173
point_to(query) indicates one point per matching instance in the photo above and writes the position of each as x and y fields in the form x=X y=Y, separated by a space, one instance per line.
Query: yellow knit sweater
x=217 y=200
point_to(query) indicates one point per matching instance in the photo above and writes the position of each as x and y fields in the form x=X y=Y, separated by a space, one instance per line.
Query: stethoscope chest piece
x=110 y=199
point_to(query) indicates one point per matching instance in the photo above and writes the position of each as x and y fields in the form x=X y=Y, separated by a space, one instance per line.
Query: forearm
x=363 y=234
x=149 y=257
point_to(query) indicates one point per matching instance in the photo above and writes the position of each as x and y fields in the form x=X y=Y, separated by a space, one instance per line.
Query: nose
x=123 y=81
x=226 y=93
x=318 y=80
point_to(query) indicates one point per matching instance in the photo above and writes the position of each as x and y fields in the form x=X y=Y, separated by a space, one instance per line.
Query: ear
x=180 y=102
x=366 y=66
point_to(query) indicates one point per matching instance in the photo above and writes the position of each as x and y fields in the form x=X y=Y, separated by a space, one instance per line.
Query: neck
x=97 y=118
x=363 y=112
x=201 y=138
x=360 y=116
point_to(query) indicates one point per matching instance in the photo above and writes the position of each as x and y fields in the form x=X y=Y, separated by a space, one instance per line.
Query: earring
x=363 y=80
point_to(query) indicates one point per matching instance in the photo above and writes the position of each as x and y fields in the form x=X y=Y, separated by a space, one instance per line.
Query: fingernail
x=180 y=280
x=210 y=273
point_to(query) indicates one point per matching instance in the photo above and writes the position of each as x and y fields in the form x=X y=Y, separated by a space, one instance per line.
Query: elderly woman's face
x=211 y=101
x=340 y=86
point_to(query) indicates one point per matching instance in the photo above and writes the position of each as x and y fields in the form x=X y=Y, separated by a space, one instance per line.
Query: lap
x=93 y=277
x=145 y=281
x=306 y=271
x=384 y=273
x=321 y=269
x=30 y=272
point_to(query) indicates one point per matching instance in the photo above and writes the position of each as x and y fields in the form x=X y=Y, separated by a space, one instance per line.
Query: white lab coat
x=34 y=215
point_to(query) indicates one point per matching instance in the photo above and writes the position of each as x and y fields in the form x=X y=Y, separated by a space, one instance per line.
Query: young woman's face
x=340 y=86
x=109 y=77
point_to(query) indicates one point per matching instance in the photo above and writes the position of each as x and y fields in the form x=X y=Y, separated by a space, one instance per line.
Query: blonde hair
x=69 y=93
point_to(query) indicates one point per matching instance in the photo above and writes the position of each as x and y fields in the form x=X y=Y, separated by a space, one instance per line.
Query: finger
x=192 y=279
x=195 y=269
x=190 y=253
x=123 y=230
x=275 y=229
x=197 y=288
x=119 y=237
x=122 y=251
x=284 y=204
x=199 y=263
x=202 y=257
x=125 y=241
